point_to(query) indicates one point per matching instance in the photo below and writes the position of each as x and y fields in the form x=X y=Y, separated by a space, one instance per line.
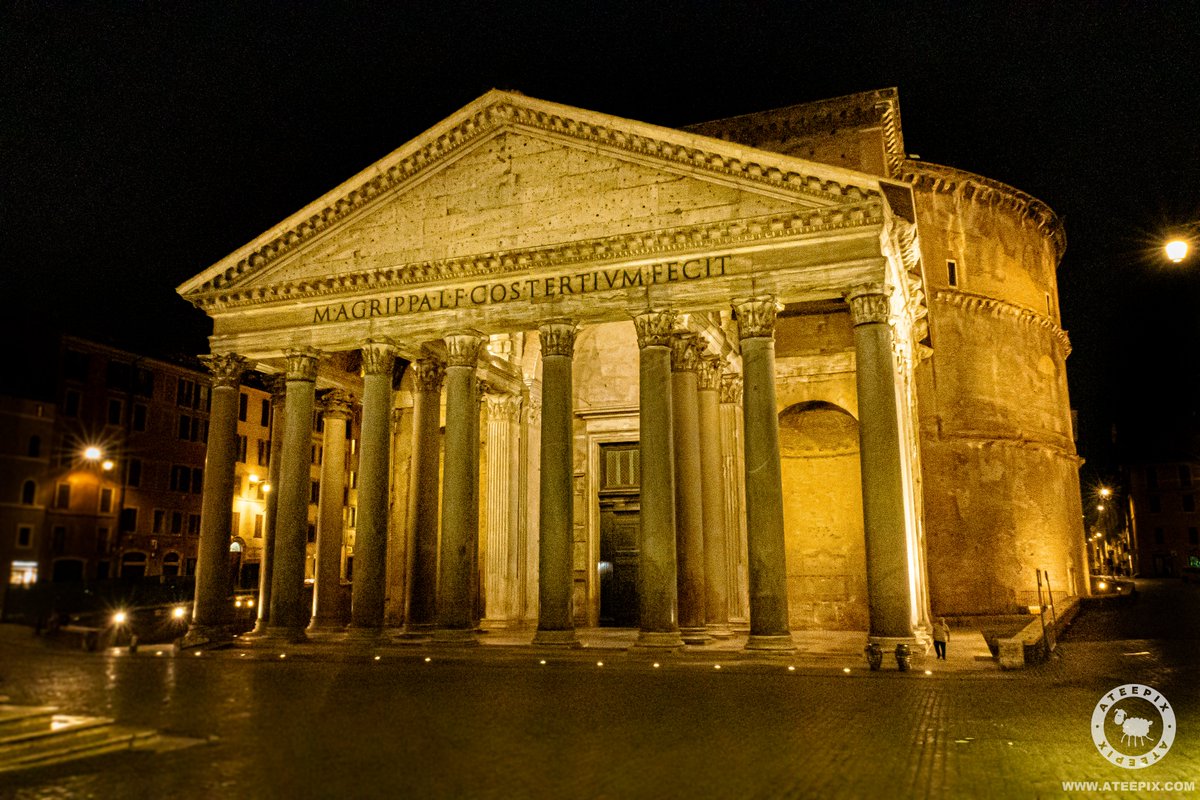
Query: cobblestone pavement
x=503 y=725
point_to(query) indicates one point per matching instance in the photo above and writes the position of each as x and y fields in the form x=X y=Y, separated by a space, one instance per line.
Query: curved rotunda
x=764 y=372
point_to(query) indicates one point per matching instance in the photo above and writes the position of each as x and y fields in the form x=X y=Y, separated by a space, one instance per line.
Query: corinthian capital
x=277 y=386
x=504 y=407
x=654 y=328
x=428 y=373
x=731 y=388
x=869 y=303
x=756 y=317
x=462 y=349
x=558 y=338
x=226 y=368
x=685 y=352
x=710 y=372
x=336 y=404
x=301 y=364
x=378 y=356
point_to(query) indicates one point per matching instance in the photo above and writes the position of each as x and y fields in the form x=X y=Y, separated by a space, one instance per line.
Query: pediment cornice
x=713 y=236
x=498 y=111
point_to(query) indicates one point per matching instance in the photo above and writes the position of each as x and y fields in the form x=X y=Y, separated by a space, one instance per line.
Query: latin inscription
x=526 y=289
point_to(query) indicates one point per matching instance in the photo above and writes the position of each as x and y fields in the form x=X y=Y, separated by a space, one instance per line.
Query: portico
x=514 y=263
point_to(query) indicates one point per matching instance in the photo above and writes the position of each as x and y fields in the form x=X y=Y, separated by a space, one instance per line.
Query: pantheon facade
x=767 y=372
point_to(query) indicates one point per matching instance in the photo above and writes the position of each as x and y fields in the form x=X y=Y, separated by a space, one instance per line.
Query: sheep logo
x=1133 y=726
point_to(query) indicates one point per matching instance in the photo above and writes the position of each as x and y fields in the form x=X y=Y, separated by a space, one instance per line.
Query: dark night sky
x=141 y=142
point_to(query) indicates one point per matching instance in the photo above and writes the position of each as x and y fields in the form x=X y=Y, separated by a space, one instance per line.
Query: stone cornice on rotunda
x=999 y=308
x=926 y=176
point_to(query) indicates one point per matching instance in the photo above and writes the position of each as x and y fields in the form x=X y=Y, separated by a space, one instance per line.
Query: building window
x=159 y=517
x=143 y=384
x=353 y=479
x=1158 y=536
x=170 y=565
x=28 y=493
x=312 y=533
x=1155 y=503
x=185 y=392
x=115 y=407
x=106 y=498
x=23 y=573
x=197 y=479
x=139 y=417
x=353 y=516
x=25 y=536
x=180 y=478
x=258 y=526
x=118 y=375
x=265 y=418
x=1152 y=477
x=133 y=473
x=35 y=446
x=235 y=523
x=241 y=454
x=318 y=422
x=176 y=522
x=62 y=496
x=951 y=272
x=1189 y=502
x=58 y=539
x=1185 y=475
x=71 y=403
x=128 y=522
x=194 y=523
x=263 y=451
x=316 y=491
x=243 y=406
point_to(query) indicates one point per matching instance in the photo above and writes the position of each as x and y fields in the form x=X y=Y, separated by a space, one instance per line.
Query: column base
x=204 y=636
x=720 y=630
x=455 y=637
x=780 y=643
x=326 y=626
x=259 y=629
x=417 y=632
x=282 y=636
x=557 y=638
x=657 y=640
x=695 y=636
x=368 y=633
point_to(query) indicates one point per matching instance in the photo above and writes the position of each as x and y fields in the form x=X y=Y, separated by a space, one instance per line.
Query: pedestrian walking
x=941 y=635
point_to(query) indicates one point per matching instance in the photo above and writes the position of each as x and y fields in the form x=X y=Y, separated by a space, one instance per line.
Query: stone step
x=88 y=742
x=10 y=714
x=30 y=732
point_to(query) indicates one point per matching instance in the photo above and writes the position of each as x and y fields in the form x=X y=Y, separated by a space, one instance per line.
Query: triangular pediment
x=510 y=175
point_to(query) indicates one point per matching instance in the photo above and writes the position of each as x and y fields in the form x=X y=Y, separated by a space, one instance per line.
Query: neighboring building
x=131 y=508
x=1164 y=514
x=902 y=445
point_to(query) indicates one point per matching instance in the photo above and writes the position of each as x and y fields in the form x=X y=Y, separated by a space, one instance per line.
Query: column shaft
x=716 y=598
x=764 y=478
x=460 y=490
x=880 y=451
x=502 y=412
x=289 y=613
x=658 y=586
x=556 y=623
x=423 y=495
x=327 y=589
x=370 y=537
x=212 y=609
x=689 y=503
x=734 y=477
x=270 y=511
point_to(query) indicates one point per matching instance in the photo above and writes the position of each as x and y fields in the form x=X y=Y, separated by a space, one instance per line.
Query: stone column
x=370 y=537
x=656 y=562
x=733 y=478
x=882 y=482
x=712 y=490
x=503 y=410
x=689 y=504
x=460 y=489
x=327 y=607
x=289 y=614
x=556 y=621
x=428 y=373
x=278 y=386
x=211 y=611
x=764 y=477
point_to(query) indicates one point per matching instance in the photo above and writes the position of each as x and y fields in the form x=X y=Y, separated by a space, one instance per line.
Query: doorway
x=620 y=527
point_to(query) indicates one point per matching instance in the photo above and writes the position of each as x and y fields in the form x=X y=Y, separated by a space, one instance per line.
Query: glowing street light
x=1177 y=250
x=1105 y=491
x=92 y=453
x=107 y=465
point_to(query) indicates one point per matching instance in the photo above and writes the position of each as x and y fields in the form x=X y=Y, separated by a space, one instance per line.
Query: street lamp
x=1179 y=247
x=1177 y=250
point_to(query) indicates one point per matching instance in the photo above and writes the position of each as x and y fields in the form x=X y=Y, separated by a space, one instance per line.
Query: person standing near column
x=211 y=611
